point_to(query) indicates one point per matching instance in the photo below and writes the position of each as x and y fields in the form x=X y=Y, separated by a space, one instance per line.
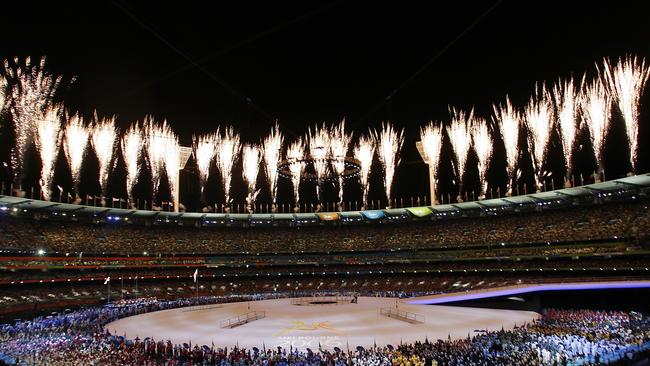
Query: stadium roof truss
x=521 y=200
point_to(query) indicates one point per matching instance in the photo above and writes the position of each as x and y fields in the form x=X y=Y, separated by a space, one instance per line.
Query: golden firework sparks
x=272 y=152
x=626 y=82
x=389 y=143
x=227 y=155
x=364 y=151
x=251 y=160
x=295 y=156
x=74 y=144
x=48 y=139
x=103 y=138
x=509 y=120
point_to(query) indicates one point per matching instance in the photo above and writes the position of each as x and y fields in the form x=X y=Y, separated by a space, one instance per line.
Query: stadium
x=515 y=232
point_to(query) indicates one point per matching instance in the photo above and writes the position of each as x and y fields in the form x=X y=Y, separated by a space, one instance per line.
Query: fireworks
x=32 y=92
x=172 y=162
x=319 y=149
x=251 y=160
x=227 y=153
x=431 y=137
x=74 y=144
x=131 y=150
x=483 y=147
x=626 y=83
x=295 y=156
x=205 y=148
x=48 y=137
x=103 y=135
x=431 y=140
x=565 y=97
x=3 y=86
x=27 y=92
x=364 y=152
x=163 y=152
x=595 y=104
x=539 y=116
x=272 y=151
x=508 y=119
x=339 y=143
x=389 y=143
x=459 y=134
x=155 y=145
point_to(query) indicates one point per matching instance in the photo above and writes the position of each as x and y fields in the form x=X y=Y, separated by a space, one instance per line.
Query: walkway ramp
x=242 y=319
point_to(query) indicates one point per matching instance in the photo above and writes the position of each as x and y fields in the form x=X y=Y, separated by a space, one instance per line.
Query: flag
x=196 y=274
x=107 y=280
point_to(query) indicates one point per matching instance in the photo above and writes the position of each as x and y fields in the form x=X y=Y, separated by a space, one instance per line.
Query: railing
x=203 y=307
x=402 y=315
x=242 y=319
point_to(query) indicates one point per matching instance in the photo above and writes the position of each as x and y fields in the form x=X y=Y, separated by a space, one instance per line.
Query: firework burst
x=431 y=137
x=431 y=140
x=509 y=120
x=564 y=93
x=319 y=149
x=48 y=139
x=32 y=92
x=74 y=144
x=103 y=135
x=339 y=144
x=389 y=144
x=595 y=105
x=227 y=153
x=3 y=90
x=131 y=150
x=295 y=156
x=459 y=134
x=172 y=163
x=539 y=118
x=272 y=152
x=626 y=82
x=251 y=160
x=483 y=146
x=205 y=149
x=163 y=152
x=364 y=151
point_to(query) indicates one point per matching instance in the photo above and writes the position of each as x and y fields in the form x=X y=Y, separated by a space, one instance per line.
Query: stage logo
x=314 y=343
x=299 y=325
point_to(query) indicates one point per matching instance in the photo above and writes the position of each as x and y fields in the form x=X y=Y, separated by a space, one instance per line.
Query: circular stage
x=273 y=323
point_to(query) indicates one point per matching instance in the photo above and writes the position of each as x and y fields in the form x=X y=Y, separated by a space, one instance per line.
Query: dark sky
x=311 y=62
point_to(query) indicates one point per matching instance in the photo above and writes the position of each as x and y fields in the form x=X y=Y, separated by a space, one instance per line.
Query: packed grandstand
x=57 y=256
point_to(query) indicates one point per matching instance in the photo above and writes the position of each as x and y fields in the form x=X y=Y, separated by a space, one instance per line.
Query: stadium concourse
x=99 y=275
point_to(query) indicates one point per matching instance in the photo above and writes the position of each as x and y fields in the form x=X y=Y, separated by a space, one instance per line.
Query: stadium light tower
x=432 y=175
x=184 y=153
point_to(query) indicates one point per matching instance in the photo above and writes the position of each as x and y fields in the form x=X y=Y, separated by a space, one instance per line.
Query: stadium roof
x=355 y=214
x=633 y=185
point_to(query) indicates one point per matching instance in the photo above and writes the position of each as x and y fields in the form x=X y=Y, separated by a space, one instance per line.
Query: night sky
x=249 y=64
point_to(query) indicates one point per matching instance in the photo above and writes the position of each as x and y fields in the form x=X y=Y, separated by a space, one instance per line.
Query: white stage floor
x=307 y=326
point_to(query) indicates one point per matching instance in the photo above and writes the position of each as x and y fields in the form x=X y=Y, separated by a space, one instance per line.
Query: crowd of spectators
x=559 y=337
x=609 y=263
x=598 y=222
x=80 y=261
x=411 y=284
